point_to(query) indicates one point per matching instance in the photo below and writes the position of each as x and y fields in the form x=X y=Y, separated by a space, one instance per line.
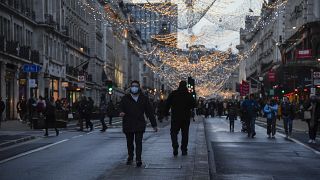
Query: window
x=18 y=33
x=28 y=38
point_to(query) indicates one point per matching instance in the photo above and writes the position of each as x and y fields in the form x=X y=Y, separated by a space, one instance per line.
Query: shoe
x=314 y=142
x=129 y=161
x=46 y=134
x=80 y=130
x=175 y=152
x=273 y=137
x=57 y=132
x=253 y=135
x=310 y=141
x=139 y=163
x=184 y=153
x=269 y=136
x=91 y=128
x=104 y=129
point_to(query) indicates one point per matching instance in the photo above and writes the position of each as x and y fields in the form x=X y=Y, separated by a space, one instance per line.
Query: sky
x=219 y=27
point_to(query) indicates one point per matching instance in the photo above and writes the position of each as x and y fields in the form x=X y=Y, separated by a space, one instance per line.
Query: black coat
x=181 y=102
x=133 y=120
x=50 y=112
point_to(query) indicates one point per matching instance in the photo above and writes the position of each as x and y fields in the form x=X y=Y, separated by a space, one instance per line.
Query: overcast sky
x=219 y=28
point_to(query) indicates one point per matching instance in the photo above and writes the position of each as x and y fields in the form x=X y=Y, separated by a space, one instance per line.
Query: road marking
x=76 y=136
x=294 y=140
x=32 y=151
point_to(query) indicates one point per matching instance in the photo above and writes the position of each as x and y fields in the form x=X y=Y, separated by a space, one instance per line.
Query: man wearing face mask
x=133 y=106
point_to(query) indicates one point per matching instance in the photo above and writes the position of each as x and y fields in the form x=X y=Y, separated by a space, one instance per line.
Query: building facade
x=259 y=46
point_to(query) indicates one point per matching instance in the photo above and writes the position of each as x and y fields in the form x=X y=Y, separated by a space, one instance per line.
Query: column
x=2 y=80
x=15 y=94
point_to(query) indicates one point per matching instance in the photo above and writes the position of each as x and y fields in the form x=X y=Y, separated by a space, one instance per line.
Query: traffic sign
x=31 y=68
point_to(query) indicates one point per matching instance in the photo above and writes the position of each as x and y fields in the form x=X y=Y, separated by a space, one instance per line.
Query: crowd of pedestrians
x=250 y=108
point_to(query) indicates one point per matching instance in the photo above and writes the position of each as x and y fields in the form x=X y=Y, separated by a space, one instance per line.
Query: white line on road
x=32 y=151
x=294 y=140
x=77 y=136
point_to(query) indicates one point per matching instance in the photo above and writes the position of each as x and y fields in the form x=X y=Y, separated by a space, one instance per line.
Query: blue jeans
x=287 y=123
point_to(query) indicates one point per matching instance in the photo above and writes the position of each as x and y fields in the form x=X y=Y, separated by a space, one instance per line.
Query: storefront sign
x=272 y=76
x=64 y=84
x=301 y=54
x=244 y=88
x=316 y=78
x=81 y=78
x=56 y=70
x=32 y=83
x=317 y=82
x=81 y=85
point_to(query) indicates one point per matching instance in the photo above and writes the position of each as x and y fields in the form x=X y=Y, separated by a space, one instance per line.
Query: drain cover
x=162 y=166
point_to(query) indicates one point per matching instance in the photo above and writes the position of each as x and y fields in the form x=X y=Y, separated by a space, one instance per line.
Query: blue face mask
x=134 y=90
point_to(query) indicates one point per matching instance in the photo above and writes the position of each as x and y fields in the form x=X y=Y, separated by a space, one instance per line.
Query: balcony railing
x=49 y=19
x=24 y=52
x=35 y=56
x=12 y=47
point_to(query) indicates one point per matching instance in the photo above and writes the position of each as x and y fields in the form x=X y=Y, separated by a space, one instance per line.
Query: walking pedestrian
x=50 y=114
x=2 y=108
x=271 y=110
x=88 y=113
x=220 y=108
x=232 y=114
x=313 y=107
x=84 y=108
x=287 y=112
x=110 y=111
x=41 y=107
x=31 y=104
x=250 y=109
x=133 y=107
x=181 y=102
x=22 y=109
x=103 y=111
x=161 y=108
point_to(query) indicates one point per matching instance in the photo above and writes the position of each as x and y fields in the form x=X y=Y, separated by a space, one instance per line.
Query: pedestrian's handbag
x=307 y=115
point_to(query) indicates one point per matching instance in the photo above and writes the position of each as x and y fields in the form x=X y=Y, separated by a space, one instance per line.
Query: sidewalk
x=159 y=162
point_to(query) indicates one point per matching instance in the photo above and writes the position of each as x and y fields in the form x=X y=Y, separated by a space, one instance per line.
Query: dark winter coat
x=287 y=110
x=50 y=112
x=110 y=110
x=232 y=111
x=181 y=102
x=133 y=120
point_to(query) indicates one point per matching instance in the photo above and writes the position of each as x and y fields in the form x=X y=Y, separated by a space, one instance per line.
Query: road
x=235 y=156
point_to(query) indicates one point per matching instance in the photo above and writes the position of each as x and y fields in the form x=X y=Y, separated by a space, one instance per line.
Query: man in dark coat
x=181 y=102
x=50 y=114
x=133 y=107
